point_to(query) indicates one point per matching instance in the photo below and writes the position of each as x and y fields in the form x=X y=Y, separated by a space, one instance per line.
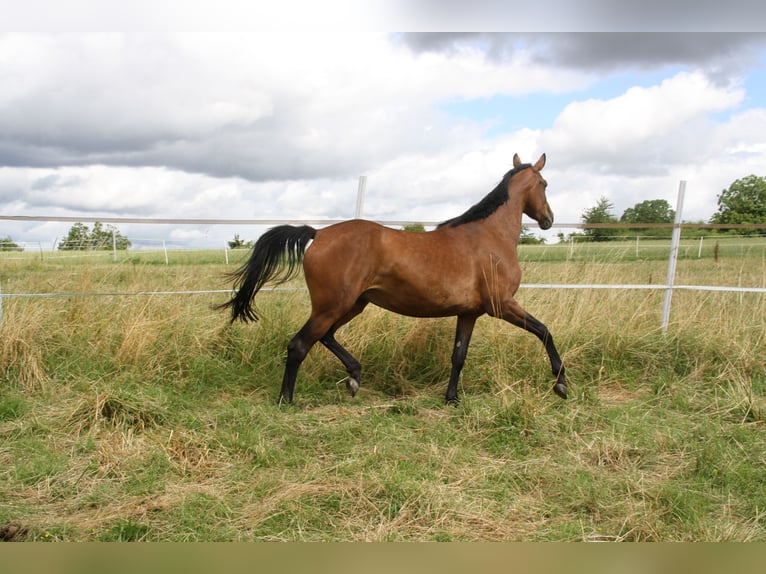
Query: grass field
x=150 y=418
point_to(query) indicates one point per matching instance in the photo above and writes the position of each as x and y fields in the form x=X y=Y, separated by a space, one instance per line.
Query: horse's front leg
x=465 y=324
x=515 y=314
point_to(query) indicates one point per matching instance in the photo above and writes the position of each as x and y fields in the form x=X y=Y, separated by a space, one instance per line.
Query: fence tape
x=522 y=286
x=655 y=287
x=393 y=223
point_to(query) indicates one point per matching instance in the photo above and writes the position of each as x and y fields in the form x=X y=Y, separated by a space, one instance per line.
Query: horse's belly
x=423 y=300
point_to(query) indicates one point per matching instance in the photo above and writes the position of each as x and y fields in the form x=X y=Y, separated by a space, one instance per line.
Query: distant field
x=644 y=249
x=137 y=417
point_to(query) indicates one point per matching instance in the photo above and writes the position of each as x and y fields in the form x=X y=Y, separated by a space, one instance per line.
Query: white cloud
x=271 y=125
x=258 y=106
x=641 y=129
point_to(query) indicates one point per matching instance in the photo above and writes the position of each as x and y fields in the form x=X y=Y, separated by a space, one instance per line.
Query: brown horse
x=468 y=266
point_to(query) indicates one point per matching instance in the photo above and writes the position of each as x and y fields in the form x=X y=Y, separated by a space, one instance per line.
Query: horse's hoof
x=560 y=389
x=452 y=401
x=352 y=385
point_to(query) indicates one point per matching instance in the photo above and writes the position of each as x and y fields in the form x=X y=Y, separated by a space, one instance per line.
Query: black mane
x=487 y=206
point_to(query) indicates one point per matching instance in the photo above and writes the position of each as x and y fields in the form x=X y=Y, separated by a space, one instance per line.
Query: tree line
x=744 y=201
x=100 y=238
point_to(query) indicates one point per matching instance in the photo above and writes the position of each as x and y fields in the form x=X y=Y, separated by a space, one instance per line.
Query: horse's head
x=535 y=203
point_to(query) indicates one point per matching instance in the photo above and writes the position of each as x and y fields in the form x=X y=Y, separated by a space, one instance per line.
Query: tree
x=77 y=239
x=7 y=244
x=529 y=238
x=743 y=202
x=600 y=213
x=650 y=211
x=417 y=227
x=103 y=238
x=80 y=238
x=238 y=243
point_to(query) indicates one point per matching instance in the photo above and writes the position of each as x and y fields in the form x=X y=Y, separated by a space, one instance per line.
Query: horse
x=466 y=267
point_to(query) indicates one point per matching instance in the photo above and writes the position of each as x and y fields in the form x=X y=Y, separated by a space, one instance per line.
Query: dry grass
x=149 y=418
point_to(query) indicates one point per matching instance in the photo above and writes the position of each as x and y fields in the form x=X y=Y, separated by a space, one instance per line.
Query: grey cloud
x=272 y=146
x=45 y=182
x=582 y=16
x=717 y=53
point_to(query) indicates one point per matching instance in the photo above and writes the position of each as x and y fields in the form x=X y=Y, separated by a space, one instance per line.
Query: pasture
x=148 y=417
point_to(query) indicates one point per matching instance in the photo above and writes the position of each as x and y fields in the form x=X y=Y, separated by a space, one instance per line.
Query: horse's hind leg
x=297 y=349
x=515 y=314
x=321 y=326
x=353 y=367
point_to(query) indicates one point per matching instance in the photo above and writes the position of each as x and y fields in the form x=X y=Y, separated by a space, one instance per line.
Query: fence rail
x=393 y=223
x=584 y=286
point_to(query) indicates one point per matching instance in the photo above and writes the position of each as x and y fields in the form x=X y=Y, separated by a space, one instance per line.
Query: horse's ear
x=516 y=160
x=540 y=163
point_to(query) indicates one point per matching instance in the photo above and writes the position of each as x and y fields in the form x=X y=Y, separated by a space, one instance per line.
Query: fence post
x=360 y=196
x=673 y=256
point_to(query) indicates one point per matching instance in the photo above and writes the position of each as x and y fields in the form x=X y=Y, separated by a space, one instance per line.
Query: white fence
x=668 y=287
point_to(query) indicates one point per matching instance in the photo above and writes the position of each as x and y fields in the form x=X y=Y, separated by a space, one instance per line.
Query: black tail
x=276 y=256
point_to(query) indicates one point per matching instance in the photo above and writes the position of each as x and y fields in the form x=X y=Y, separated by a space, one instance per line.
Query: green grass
x=149 y=418
x=647 y=249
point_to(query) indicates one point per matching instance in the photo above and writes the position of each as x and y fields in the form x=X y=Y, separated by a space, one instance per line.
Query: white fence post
x=673 y=256
x=360 y=196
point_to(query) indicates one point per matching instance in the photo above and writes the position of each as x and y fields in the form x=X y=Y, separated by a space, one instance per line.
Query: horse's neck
x=506 y=221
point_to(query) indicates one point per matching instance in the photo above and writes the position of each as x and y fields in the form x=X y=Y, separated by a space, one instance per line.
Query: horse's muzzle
x=546 y=222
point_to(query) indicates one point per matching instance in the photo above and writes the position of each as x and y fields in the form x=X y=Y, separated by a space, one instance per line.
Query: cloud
x=218 y=105
x=584 y=16
x=644 y=130
x=274 y=125
x=720 y=54
x=78 y=16
x=93 y=98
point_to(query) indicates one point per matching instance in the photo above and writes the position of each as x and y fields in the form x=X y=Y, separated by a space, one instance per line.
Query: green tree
x=81 y=238
x=529 y=238
x=102 y=237
x=417 y=227
x=239 y=243
x=7 y=244
x=77 y=239
x=650 y=211
x=743 y=202
x=600 y=213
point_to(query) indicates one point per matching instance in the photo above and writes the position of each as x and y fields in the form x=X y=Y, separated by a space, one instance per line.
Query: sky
x=241 y=110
